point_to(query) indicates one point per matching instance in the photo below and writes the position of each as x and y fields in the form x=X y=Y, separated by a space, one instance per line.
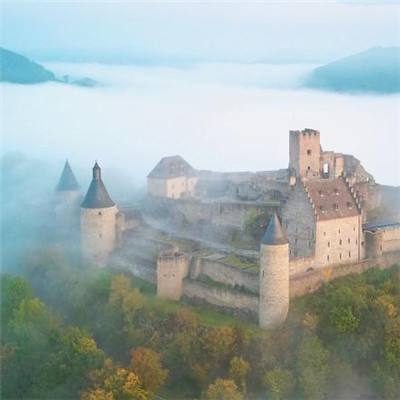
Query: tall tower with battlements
x=305 y=154
x=274 y=276
x=98 y=222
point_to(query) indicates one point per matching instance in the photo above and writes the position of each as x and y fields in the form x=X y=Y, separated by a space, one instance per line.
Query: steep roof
x=274 y=234
x=172 y=167
x=331 y=198
x=67 y=180
x=97 y=195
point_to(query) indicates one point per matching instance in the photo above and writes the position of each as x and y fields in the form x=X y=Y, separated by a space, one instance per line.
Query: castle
x=319 y=228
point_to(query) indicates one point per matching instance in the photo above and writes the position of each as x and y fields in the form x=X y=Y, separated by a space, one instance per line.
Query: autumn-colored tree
x=279 y=382
x=223 y=389
x=146 y=364
x=114 y=383
x=238 y=371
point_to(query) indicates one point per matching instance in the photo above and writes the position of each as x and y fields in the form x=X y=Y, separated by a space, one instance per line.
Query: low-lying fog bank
x=217 y=116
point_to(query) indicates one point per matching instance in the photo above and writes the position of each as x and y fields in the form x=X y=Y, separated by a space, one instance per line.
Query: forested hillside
x=72 y=333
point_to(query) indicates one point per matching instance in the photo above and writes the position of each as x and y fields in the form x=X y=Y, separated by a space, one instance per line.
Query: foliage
x=238 y=371
x=223 y=389
x=146 y=364
x=280 y=383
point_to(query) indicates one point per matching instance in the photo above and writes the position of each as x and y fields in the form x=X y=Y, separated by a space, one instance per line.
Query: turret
x=274 y=276
x=98 y=221
x=67 y=198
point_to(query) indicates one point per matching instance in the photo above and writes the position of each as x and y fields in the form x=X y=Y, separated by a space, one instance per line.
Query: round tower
x=274 y=276
x=98 y=222
x=67 y=199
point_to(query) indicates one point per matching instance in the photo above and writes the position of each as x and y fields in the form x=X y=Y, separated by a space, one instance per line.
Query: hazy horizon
x=224 y=117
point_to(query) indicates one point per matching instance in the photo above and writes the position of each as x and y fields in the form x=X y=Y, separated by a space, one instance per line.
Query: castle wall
x=221 y=297
x=171 y=270
x=338 y=241
x=298 y=220
x=98 y=233
x=303 y=284
x=224 y=273
x=274 y=285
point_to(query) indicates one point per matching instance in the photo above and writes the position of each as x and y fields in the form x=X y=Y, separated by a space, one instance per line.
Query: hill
x=376 y=70
x=16 y=68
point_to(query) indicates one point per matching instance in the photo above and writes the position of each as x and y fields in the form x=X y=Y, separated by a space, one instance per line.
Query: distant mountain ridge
x=16 y=68
x=376 y=70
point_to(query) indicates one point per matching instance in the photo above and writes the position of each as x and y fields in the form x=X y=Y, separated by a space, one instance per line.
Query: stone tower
x=304 y=153
x=67 y=199
x=98 y=222
x=274 y=276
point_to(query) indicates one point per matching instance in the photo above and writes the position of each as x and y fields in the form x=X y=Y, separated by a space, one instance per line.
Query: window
x=327 y=258
x=354 y=228
x=325 y=168
x=336 y=191
x=329 y=244
x=321 y=194
x=349 y=205
x=348 y=240
x=99 y=212
x=340 y=242
x=336 y=207
x=356 y=241
x=349 y=254
x=295 y=241
x=100 y=235
x=263 y=274
x=339 y=231
x=309 y=152
x=324 y=233
x=308 y=168
x=340 y=255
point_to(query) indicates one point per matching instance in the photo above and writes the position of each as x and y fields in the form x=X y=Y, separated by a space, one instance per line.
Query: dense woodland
x=69 y=332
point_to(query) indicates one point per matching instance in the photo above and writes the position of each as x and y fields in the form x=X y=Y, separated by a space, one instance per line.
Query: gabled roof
x=97 y=195
x=67 y=180
x=274 y=234
x=331 y=198
x=172 y=167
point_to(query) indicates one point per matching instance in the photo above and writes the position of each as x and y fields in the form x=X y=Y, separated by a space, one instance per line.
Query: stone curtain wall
x=310 y=282
x=221 y=297
x=226 y=274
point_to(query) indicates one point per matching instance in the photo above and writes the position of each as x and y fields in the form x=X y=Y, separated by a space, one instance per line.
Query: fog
x=217 y=116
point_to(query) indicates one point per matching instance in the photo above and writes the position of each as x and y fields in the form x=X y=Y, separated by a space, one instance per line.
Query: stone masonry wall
x=220 y=297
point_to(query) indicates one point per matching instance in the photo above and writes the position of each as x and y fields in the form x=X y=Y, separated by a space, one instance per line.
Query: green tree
x=238 y=371
x=313 y=368
x=280 y=383
x=223 y=389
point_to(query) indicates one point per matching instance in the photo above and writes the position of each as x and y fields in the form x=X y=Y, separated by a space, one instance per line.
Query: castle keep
x=241 y=241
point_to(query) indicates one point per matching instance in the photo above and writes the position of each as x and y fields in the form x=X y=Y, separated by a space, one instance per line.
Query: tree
x=313 y=368
x=114 y=383
x=223 y=389
x=146 y=364
x=238 y=371
x=13 y=291
x=279 y=382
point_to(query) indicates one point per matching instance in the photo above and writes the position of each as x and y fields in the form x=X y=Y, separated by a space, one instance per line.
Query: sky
x=182 y=32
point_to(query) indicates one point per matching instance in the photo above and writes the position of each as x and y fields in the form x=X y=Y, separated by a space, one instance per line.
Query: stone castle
x=321 y=225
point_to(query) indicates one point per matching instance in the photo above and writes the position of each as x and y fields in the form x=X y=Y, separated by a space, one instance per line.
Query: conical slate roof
x=67 y=180
x=97 y=195
x=274 y=233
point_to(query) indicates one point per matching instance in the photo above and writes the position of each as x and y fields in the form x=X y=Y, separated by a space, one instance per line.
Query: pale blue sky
x=294 y=31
